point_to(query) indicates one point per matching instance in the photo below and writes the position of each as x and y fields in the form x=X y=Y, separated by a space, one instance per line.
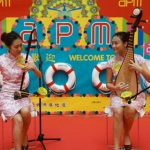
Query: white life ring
x=60 y=89
x=95 y=77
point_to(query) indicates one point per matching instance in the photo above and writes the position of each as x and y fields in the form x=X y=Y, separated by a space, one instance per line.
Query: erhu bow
x=125 y=75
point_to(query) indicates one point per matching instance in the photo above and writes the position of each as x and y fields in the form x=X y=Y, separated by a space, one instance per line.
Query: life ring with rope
x=96 y=80
x=60 y=89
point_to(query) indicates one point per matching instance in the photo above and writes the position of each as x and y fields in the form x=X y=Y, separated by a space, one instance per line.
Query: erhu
x=41 y=92
x=125 y=75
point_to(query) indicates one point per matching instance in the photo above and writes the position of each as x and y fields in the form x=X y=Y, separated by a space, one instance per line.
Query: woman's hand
x=32 y=66
x=135 y=66
x=121 y=86
x=28 y=66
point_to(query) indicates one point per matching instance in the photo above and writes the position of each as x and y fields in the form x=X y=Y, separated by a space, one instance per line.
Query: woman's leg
x=129 y=113
x=26 y=116
x=118 y=126
x=17 y=131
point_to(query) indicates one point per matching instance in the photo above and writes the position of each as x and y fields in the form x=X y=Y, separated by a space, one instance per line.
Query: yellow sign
x=72 y=105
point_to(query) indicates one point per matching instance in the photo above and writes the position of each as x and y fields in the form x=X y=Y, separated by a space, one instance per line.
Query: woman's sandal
x=128 y=147
x=24 y=147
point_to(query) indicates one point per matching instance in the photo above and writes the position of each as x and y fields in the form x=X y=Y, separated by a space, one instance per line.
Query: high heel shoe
x=24 y=147
x=128 y=147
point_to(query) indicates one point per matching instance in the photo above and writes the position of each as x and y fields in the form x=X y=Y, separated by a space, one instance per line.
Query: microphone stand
x=128 y=99
x=40 y=137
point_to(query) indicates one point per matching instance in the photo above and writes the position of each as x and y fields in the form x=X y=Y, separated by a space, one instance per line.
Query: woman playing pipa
x=125 y=68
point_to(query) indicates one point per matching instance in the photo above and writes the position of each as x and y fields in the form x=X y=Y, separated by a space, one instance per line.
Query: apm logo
x=126 y=3
x=5 y=3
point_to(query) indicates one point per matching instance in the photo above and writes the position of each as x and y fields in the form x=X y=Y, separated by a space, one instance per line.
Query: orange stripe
x=66 y=88
x=54 y=68
x=50 y=84
x=98 y=85
x=69 y=71
x=98 y=69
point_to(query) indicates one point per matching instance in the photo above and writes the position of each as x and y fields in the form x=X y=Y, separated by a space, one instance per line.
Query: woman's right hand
x=121 y=86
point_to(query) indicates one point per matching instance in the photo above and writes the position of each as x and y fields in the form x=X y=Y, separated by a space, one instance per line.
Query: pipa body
x=127 y=75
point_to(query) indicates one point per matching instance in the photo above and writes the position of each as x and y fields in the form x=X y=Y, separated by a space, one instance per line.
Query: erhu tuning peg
x=34 y=40
x=33 y=46
x=141 y=27
x=132 y=16
x=144 y=21
x=129 y=23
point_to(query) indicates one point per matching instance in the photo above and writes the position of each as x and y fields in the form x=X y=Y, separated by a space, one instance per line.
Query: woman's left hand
x=135 y=66
x=28 y=66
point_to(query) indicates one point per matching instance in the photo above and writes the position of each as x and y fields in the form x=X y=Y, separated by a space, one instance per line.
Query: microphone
x=128 y=100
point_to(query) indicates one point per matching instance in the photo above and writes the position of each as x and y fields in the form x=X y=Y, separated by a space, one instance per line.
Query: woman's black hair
x=124 y=36
x=9 y=38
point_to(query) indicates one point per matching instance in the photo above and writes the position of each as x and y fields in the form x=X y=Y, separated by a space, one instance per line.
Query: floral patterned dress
x=12 y=76
x=116 y=101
